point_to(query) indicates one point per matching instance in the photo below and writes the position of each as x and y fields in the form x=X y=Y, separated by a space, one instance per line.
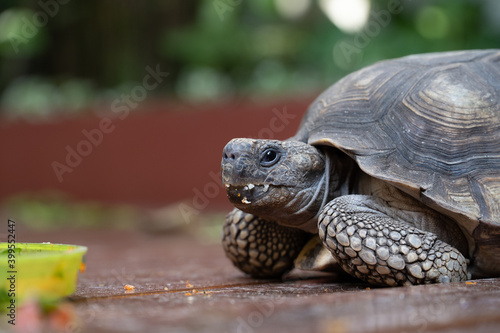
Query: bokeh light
x=432 y=22
x=349 y=16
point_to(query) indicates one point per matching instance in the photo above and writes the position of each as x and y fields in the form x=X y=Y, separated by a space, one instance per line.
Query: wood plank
x=207 y=294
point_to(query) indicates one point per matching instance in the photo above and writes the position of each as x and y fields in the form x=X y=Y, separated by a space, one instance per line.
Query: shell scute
x=429 y=124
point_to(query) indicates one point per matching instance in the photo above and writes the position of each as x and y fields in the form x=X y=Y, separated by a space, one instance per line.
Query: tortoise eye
x=270 y=157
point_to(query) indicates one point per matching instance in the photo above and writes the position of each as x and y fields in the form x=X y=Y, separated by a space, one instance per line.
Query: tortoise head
x=282 y=181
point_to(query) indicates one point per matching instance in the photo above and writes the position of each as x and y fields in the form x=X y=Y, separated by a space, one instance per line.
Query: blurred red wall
x=152 y=157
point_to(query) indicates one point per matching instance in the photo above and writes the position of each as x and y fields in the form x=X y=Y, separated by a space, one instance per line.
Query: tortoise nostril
x=230 y=154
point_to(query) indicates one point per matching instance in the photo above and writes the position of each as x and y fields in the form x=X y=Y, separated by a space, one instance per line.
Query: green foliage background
x=86 y=52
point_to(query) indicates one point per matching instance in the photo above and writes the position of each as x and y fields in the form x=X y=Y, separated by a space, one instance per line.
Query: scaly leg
x=258 y=247
x=383 y=250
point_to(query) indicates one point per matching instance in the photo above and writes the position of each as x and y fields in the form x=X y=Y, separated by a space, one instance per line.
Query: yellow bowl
x=42 y=271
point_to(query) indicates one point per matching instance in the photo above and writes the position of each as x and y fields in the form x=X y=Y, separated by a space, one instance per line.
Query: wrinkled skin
x=287 y=187
x=373 y=231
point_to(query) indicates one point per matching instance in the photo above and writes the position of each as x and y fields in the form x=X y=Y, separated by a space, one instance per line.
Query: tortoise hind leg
x=384 y=250
x=258 y=247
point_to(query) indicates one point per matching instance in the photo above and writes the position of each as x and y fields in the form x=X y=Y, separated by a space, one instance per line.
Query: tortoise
x=393 y=176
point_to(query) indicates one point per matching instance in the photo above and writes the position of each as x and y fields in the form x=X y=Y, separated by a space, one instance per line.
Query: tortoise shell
x=430 y=125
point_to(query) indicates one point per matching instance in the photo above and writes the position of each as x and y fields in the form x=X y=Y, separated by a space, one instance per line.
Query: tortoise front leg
x=380 y=249
x=258 y=247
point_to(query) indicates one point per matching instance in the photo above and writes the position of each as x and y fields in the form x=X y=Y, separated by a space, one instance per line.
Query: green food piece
x=16 y=250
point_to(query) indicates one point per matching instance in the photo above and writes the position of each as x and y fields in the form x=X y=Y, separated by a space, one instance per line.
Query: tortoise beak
x=238 y=171
x=240 y=194
x=237 y=161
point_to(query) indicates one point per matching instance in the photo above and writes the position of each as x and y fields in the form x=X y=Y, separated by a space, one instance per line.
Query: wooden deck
x=185 y=284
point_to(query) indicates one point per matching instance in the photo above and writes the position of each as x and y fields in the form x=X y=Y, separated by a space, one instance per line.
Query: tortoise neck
x=344 y=174
x=325 y=182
